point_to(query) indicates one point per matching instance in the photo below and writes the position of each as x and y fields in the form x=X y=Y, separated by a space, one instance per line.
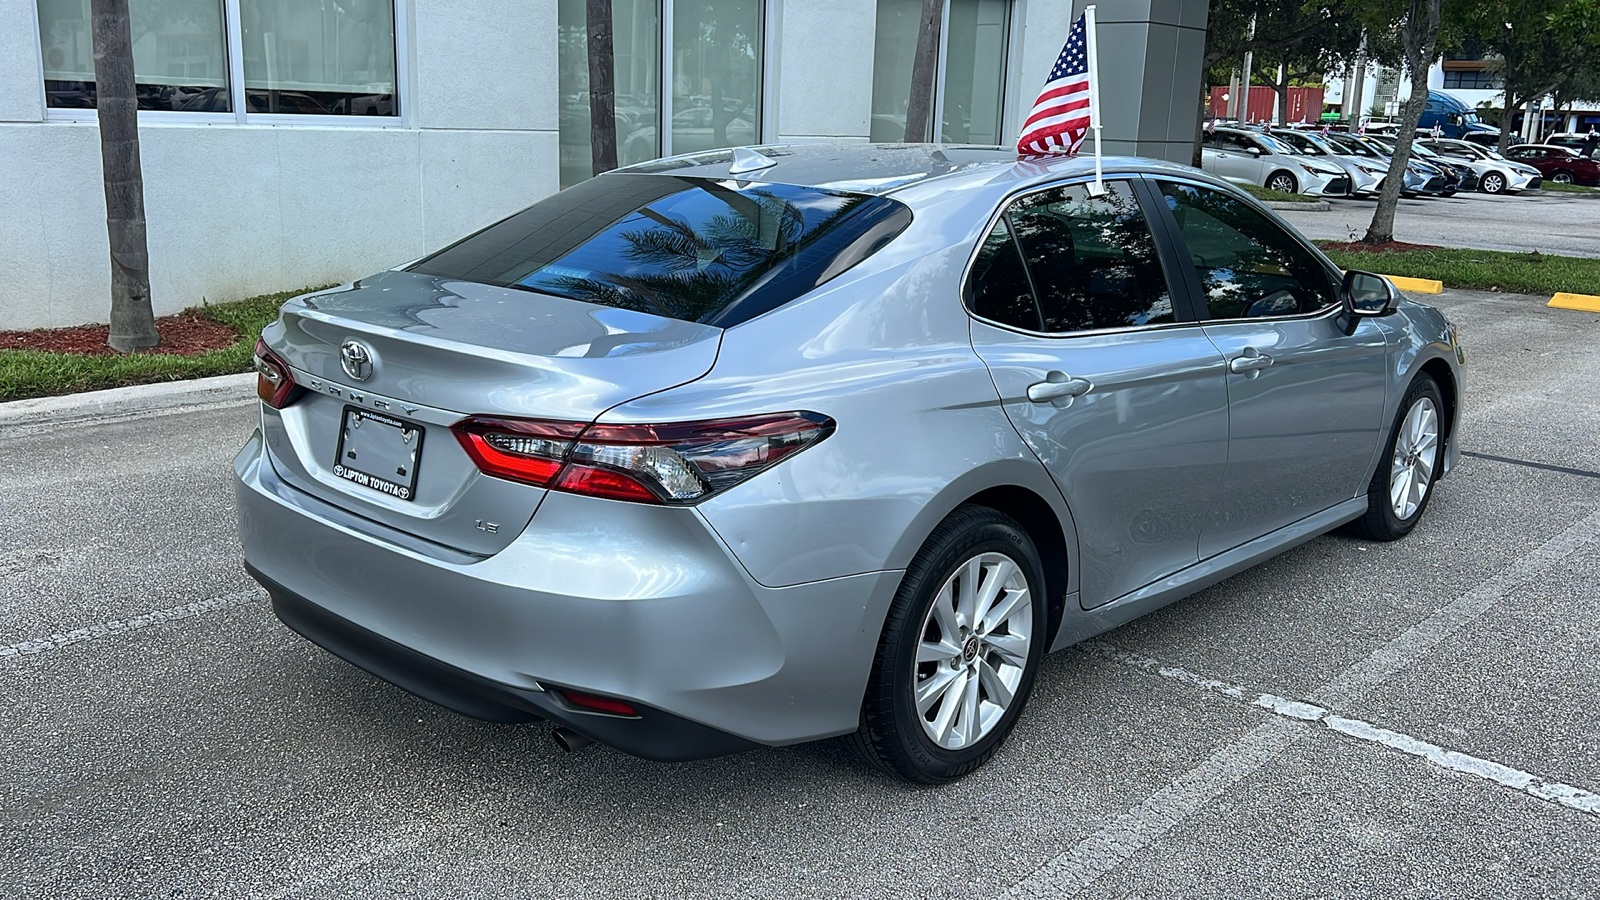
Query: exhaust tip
x=569 y=740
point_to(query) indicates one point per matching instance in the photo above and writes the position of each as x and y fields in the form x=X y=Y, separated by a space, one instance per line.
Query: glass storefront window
x=179 y=56
x=319 y=59
x=636 y=49
x=972 y=103
x=716 y=80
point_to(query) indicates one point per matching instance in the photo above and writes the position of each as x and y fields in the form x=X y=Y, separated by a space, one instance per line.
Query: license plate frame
x=390 y=444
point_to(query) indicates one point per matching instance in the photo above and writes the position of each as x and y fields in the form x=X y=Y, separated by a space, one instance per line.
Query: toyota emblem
x=356 y=360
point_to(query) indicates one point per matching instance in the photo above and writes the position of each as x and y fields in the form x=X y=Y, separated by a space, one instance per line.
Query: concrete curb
x=1314 y=206
x=221 y=390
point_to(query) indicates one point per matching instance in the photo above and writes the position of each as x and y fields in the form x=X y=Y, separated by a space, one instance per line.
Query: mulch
x=181 y=335
x=1386 y=247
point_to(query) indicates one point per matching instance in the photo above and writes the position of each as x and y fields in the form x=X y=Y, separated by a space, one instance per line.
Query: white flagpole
x=1094 y=97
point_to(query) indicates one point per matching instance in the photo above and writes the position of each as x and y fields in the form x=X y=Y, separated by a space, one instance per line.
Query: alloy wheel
x=1282 y=182
x=1416 y=450
x=1493 y=183
x=1562 y=178
x=973 y=650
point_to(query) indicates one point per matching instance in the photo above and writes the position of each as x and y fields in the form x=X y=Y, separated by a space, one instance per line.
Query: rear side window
x=695 y=249
x=1061 y=261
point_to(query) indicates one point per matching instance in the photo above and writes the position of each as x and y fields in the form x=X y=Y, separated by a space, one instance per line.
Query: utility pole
x=1249 y=61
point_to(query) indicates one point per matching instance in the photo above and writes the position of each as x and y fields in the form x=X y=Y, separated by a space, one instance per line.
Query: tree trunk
x=1510 y=108
x=919 y=107
x=1196 y=157
x=1282 y=89
x=133 y=324
x=1420 y=35
x=602 y=87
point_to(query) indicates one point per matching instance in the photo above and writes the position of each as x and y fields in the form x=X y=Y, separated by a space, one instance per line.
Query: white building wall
x=235 y=210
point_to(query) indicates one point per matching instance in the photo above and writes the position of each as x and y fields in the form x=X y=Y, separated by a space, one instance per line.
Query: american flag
x=1060 y=117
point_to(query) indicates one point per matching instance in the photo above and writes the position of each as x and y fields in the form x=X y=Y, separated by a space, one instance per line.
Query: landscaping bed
x=1482 y=270
x=213 y=339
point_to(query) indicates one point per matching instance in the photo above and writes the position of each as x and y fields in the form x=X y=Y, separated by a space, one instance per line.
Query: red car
x=1558 y=164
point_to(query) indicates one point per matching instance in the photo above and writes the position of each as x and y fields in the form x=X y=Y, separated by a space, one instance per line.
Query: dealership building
x=288 y=143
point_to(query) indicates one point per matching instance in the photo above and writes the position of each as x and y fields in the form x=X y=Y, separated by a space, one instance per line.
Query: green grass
x=34 y=373
x=1261 y=193
x=1483 y=270
x=1569 y=188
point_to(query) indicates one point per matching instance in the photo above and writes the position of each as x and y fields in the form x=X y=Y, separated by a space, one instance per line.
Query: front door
x=1305 y=399
x=1119 y=394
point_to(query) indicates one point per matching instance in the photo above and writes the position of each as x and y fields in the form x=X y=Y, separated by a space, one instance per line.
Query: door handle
x=1067 y=386
x=1252 y=360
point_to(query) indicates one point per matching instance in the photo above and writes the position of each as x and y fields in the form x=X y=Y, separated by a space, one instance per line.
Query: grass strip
x=1480 y=270
x=36 y=373
x=1261 y=193
x=1568 y=188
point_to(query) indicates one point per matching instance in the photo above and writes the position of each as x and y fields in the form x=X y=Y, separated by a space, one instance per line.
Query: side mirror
x=1365 y=295
x=1253 y=151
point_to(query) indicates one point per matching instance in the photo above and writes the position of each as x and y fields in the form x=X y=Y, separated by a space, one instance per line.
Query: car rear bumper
x=630 y=601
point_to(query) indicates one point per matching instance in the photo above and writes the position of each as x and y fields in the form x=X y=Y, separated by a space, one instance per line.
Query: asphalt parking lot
x=1567 y=224
x=1414 y=719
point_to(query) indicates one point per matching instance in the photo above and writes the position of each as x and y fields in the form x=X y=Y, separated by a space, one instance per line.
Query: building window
x=709 y=56
x=1464 y=79
x=179 y=55
x=300 y=58
x=971 y=96
x=636 y=50
x=319 y=59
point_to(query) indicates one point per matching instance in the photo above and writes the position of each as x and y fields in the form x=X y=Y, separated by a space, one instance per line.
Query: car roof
x=890 y=169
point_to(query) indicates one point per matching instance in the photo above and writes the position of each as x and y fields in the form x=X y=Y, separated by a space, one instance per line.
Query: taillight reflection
x=677 y=463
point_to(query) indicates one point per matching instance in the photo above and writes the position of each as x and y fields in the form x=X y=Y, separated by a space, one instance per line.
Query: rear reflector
x=677 y=463
x=597 y=703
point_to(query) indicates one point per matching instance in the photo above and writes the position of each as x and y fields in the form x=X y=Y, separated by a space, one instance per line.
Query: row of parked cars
x=1349 y=165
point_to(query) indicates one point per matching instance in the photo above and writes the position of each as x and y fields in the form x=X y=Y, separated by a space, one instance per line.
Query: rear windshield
x=696 y=249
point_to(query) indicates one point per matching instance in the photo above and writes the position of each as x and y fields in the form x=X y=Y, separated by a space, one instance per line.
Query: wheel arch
x=1442 y=375
x=1023 y=490
x=1276 y=172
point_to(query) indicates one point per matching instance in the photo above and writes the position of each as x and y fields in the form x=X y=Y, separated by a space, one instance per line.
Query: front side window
x=180 y=59
x=694 y=249
x=1248 y=266
x=1090 y=261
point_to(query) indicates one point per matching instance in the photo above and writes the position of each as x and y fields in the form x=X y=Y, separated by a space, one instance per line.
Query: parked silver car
x=1249 y=157
x=1365 y=174
x=758 y=447
x=1496 y=174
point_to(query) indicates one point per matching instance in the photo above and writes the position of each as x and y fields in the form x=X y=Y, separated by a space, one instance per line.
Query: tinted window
x=1248 y=266
x=1234 y=142
x=1092 y=259
x=998 y=288
x=717 y=252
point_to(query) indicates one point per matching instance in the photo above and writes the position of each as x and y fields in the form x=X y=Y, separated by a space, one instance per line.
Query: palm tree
x=602 y=86
x=920 y=105
x=133 y=324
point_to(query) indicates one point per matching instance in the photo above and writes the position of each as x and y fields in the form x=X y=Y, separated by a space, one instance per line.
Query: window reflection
x=972 y=105
x=179 y=54
x=636 y=51
x=1248 y=266
x=330 y=58
x=716 y=84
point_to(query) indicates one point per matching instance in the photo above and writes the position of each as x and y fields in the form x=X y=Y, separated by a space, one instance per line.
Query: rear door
x=1115 y=388
x=1305 y=400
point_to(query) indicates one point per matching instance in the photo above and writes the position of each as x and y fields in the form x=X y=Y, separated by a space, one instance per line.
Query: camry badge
x=356 y=360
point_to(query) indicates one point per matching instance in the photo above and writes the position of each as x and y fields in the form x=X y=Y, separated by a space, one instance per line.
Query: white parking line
x=123 y=626
x=1077 y=869
x=1516 y=779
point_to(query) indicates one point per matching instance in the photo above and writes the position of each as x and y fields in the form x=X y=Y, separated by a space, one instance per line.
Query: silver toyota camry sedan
x=764 y=446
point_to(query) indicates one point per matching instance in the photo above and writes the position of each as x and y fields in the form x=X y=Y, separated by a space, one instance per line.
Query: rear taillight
x=274 y=384
x=680 y=463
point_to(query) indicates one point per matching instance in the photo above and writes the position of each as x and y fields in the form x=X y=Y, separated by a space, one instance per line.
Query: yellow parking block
x=1584 y=302
x=1417 y=285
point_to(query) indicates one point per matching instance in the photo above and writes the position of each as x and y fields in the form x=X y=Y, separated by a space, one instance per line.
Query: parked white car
x=1496 y=174
x=1247 y=157
x=1366 y=175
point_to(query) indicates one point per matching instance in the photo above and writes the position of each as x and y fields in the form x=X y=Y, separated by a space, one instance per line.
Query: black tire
x=1493 y=183
x=1282 y=181
x=1381 y=522
x=892 y=736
